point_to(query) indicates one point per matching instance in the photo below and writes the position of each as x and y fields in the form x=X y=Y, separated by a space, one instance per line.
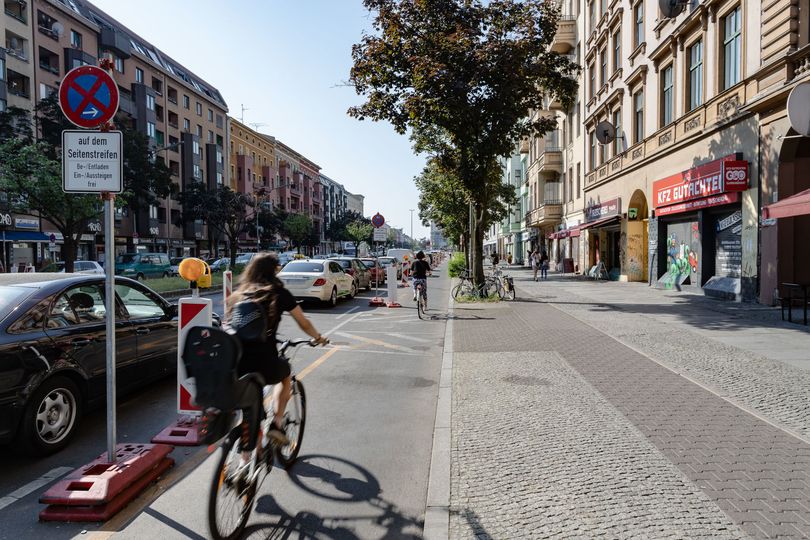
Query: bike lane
x=364 y=462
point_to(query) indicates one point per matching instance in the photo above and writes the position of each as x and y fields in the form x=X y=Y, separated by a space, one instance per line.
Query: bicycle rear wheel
x=295 y=418
x=420 y=304
x=230 y=498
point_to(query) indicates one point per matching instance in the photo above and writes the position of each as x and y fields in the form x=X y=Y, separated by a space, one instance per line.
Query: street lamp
x=412 y=242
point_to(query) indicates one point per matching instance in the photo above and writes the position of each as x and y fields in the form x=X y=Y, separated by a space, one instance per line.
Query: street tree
x=463 y=77
x=359 y=232
x=225 y=211
x=298 y=228
x=271 y=223
x=32 y=181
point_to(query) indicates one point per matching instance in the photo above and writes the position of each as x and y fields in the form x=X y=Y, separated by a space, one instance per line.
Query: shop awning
x=795 y=205
x=25 y=236
x=565 y=233
x=600 y=222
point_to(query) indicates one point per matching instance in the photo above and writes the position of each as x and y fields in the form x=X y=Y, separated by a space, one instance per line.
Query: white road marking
x=347 y=321
x=376 y=342
x=355 y=308
x=31 y=487
x=412 y=338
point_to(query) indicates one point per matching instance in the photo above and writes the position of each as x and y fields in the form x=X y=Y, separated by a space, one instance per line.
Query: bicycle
x=421 y=300
x=211 y=356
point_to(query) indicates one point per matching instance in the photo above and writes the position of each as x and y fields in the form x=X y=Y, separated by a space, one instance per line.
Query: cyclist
x=420 y=271
x=260 y=284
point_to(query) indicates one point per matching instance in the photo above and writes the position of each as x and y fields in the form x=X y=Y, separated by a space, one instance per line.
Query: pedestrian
x=534 y=259
x=544 y=262
x=495 y=260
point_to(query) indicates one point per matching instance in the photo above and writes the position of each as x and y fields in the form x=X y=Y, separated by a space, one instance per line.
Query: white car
x=317 y=280
x=79 y=267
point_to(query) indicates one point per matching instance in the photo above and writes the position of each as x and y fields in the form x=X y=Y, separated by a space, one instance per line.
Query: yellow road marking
x=317 y=362
x=375 y=342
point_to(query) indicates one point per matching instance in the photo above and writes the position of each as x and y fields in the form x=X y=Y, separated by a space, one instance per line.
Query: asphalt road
x=363 y=467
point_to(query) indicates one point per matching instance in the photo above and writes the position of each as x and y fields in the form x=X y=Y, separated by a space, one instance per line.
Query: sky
x=287 y=62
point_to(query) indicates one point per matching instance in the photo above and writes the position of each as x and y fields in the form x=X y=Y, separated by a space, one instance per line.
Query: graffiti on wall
x=635 y=253
x=683 y=247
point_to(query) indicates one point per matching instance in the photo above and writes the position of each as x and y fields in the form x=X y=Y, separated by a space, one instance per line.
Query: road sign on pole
x=378 y=220
x=88 y=96
x=92 y=161
x=380 y=234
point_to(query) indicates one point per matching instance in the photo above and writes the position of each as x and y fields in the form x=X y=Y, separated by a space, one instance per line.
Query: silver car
x=79 y=267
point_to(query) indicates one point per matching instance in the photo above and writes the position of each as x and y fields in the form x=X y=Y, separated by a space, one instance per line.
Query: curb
x=437 y=508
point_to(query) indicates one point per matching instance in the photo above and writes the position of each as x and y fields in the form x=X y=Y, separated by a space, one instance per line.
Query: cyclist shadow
x=339 y=480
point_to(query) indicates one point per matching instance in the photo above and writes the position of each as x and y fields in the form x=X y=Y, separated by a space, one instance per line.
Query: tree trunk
x=233 y=249
x=477 y=245
x=69 y=251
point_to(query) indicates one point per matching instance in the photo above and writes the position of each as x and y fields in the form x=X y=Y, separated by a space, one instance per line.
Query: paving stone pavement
x=757 y=474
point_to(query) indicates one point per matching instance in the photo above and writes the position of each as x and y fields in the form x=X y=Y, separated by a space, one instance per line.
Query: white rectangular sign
x=380 y=234
x=92 y=161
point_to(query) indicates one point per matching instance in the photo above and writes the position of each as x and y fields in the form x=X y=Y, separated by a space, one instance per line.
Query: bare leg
x=281 y=395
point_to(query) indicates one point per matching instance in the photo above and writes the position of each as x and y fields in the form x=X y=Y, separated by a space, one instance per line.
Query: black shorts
x=271 y=367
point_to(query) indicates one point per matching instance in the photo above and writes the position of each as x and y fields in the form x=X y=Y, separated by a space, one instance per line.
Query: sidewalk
x=587 y=409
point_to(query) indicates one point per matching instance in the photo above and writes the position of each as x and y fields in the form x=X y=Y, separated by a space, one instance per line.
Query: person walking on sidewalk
x=495 y=260
x=534 y=259
x=544 y=261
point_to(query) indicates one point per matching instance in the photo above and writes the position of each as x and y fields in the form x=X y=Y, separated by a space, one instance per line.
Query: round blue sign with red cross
x=377 y=220
x=88 y=96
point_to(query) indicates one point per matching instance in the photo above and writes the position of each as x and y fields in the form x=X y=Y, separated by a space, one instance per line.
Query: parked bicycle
x=466 y=287
x=234 y=409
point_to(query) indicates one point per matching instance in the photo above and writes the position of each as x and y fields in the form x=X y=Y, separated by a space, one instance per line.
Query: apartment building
x=553 y=165
x=511 y=233
x=355 y=203
x=335 y=202
x=182 y=115
x=298 y=181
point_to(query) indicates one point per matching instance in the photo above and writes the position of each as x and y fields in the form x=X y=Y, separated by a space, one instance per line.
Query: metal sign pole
x=109 y=296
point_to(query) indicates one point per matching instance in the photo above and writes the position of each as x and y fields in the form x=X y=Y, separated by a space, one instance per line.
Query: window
x=75 y=39
x=46 y=91
x=199 y=109
x=119 y=64
x=210 y=115
x=602 y=152
x=195 y=147
x=150 y=129
x=592 y=14
x=578 y=181
x=602 y=7
x=150 y=102
x=732 y=48
x=603 y=76
x=2 y=69
x=638 y=117
x=199 y=131
x=137 y=304
x=579 y=122
x=638 y=24
x=695 y=75
x=186 y=124
x=197 y=172
x=592 y=138
x=666 y=96
x=570 y=184
x=210 y=136
x=2 y=105
x=617 y=50
x=186 y=102
x=139 y=75
x=592 y=81
x=78 y=305
x=617 y=123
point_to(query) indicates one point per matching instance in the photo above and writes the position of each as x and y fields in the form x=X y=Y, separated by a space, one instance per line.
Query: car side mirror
x=173 y=311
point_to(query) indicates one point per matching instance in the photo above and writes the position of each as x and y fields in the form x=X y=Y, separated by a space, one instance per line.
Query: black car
x=53 y=345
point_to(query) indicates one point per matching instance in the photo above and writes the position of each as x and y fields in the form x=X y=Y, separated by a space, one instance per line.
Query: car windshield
x=54 y=267
x=126 y=259
x=345 y=263
x=302 y=266
x=11 y=297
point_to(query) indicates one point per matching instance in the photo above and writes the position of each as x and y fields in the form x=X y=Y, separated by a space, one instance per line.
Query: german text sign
x=91 y=161
x=380 y=235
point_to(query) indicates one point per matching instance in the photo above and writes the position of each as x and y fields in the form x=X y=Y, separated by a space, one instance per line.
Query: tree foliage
x=463 y=76
x=225 y=211
x=298 y=228
x=358 y=232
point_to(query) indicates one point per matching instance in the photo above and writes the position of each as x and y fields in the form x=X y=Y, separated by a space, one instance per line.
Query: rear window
x=11 y=297
x=345 y=263
x=303 y=266
x=368 y=262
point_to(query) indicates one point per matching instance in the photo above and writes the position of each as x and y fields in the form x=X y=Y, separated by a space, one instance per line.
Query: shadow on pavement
x=335 y=479
x=476 y=528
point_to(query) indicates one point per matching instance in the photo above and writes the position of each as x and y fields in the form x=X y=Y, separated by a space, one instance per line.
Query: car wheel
x=368 y=284
x=333 y=298
x=353 y=291
x=51 y=417
x=166 y=274
x=140 y=277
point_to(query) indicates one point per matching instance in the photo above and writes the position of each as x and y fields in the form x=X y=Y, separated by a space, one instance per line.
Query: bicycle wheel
x=295 y=418
x=456 y=290
x=230 y=498
x=493 y=285
x=420 y=305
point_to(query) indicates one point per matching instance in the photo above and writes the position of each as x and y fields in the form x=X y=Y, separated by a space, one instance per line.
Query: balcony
x=553 y=103
x=550 y=160
x=566 y=37
x=549 y=213
x=524 y=145
x=114 y=41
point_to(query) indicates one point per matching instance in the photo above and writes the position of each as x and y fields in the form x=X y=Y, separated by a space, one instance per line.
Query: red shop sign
x=702 y=181
x=697 y=204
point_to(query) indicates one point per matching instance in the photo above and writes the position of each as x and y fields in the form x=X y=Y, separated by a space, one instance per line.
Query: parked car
x=175 y=265
x=79 y=267
x=376 y=269
x=143 y=265
x=385 y=262
x=220 y=265
x=358 y=270
x=53 y=351
x=317 y=280
x=400 y=254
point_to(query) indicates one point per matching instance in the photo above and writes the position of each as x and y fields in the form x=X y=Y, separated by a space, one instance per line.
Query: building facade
x=355 y=203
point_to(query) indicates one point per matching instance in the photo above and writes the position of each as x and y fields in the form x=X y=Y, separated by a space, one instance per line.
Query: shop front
x=566 y=250
x=22 y=242
x=698 y=223
x=603 y=223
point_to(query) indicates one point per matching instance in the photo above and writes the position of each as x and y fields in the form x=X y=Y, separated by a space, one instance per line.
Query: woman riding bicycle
x=260 y=284
x=420 y=271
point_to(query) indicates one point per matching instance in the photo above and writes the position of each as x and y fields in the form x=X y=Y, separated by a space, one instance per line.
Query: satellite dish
x=671 y=8
x=798 y=109
x=57 y=28
x=605 y=132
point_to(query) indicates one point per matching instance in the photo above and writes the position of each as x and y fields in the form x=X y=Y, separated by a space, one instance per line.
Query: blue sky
x=286 y=60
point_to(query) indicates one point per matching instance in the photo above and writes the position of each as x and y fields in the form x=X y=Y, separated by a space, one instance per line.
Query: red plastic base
x=394 y=304
x=99 y=482
x=377 y=301
x=184 y=432
x=103 y=512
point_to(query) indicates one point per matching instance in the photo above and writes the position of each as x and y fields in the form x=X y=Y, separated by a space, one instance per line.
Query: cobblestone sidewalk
x=559 y=430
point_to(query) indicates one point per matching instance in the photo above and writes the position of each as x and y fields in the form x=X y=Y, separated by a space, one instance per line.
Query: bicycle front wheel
x=456 y=291
x=230 y=498
x=295 y=418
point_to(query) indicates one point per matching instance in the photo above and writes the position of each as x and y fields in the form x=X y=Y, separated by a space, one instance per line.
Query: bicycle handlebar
x=287 y=343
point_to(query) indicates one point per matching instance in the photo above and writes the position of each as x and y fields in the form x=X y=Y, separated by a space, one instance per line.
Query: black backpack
x=248 y=320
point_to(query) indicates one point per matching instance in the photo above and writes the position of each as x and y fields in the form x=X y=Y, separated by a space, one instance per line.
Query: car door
x=154 y=328
x=342 y=280
x=76 y=323
x=362 y=273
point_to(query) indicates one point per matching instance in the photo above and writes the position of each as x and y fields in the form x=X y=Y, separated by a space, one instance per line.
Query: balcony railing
x=566 y=36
